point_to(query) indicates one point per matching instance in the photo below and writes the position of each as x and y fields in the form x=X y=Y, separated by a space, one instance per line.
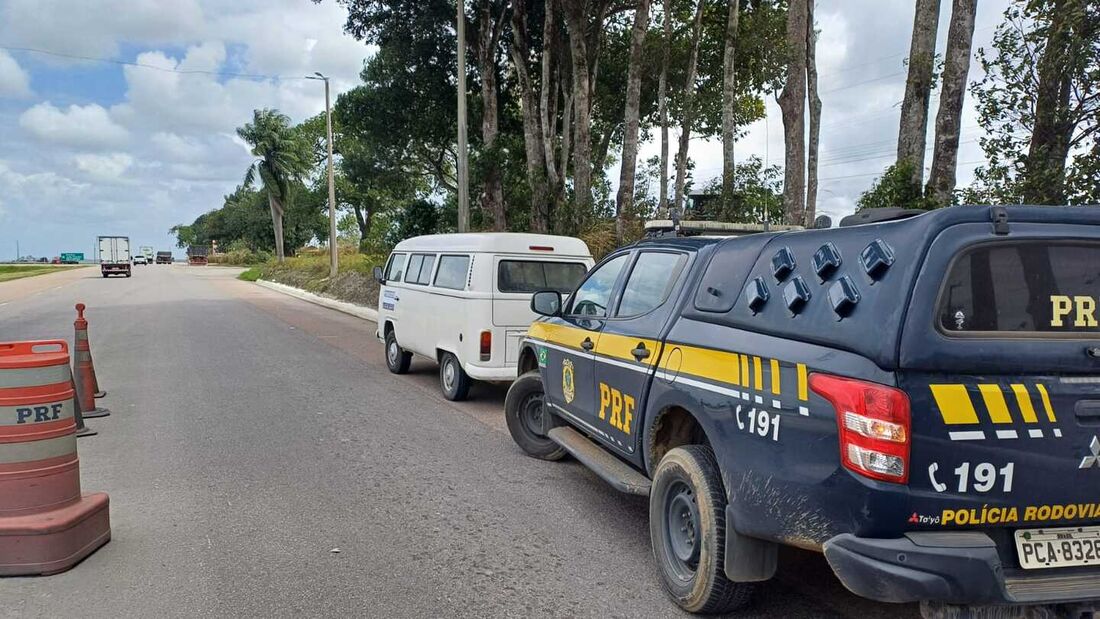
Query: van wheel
x=397 y=358
x=524 y=408
x=453 y=379
x=687 y=527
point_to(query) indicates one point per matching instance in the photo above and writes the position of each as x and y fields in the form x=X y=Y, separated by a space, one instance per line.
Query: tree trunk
x=532 y=127
x=729 y=106
x=918 y=88
x=662 y=103
x=548 y=102
x=815 y=117
x=277 y=225
x=624 y=201
x=576 y=17
x=1045 y=168
x=960 y=36
x=492 y=196
x=689 y=111
x=792 y=103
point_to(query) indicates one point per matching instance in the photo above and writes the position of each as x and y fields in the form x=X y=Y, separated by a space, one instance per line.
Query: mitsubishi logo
x=1094 y=459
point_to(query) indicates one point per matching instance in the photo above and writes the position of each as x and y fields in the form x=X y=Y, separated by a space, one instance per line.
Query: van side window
x=534 y=275
x=452 y=272
x=423 y=275
x=592 y=297
x=413 y=271
x=650 y=282
x=396 y=268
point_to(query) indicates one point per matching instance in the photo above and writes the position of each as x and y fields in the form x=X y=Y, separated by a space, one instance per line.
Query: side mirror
x=378 y=277
x=546 y=302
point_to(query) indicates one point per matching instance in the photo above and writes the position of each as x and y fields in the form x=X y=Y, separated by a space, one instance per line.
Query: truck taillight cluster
x=486 y=345
x=873 y=422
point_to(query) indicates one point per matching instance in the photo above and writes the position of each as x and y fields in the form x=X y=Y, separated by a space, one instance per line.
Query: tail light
x=873 y=422
x=486 y=345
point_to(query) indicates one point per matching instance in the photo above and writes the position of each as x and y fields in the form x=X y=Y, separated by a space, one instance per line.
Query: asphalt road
x=262 y=462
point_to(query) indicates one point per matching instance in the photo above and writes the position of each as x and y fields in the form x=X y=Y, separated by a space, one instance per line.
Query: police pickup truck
x=918 y=398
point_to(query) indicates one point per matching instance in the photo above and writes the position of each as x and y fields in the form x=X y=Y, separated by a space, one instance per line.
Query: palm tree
x=282 y=159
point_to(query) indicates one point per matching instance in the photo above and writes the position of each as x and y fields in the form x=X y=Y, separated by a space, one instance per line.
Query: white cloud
x=82 y=126
x=103 y=167
x=14 y=81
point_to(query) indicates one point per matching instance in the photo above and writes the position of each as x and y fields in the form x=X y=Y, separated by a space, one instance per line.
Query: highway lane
x=253 y=435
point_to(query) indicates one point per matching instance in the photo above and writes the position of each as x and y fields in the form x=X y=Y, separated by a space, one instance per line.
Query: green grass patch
x=9 y=272
x=354 y=281
x=251 y=275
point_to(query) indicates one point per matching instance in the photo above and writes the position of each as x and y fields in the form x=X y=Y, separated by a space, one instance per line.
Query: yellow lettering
x=1029 y=513
x=1060 y=306
x=605 y=399
x=1043 y=513
x=1086 y=312
x=616 y=409
x=948 y=516
x=628 y=413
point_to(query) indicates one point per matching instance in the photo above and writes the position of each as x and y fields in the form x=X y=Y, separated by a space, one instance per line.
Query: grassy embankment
x=353 y=283
x=16 y=271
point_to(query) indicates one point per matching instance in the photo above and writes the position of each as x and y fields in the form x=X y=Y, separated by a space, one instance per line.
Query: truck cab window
x=396 y=268
x=650 y=282
x=592 y=297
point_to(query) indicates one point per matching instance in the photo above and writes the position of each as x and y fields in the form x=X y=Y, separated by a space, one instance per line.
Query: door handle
x=641 y=352
x=587 y=344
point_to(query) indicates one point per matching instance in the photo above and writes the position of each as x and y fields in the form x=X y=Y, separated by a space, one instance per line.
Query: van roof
x=498 y=242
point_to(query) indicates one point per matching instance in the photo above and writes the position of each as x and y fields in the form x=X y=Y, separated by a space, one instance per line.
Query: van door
x=630 y=345
x=515 y=278
x=570 y=340
x=414 y=314
x=1000 y=357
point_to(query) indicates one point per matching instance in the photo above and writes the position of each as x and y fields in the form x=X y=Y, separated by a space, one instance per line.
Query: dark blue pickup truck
x=919 y=399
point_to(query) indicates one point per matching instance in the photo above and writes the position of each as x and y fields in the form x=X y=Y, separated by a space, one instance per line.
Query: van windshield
x=1035 y=287
x=534 y=275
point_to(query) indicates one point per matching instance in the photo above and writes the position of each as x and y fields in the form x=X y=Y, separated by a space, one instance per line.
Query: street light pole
x=463 y=169
x=333 y=248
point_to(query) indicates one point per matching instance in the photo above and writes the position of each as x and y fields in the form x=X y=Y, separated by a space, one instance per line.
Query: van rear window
x=533 y=275
x=1024 y=287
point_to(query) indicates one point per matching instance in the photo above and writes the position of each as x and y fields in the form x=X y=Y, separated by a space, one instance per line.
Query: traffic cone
x=81 y=429
x=82 y=334
x=83 y=372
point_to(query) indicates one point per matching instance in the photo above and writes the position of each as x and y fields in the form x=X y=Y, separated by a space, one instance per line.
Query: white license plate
x=1067 y=547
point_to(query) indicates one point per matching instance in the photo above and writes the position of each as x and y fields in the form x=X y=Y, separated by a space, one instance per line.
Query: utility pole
x=463 y=155
x=333 y=246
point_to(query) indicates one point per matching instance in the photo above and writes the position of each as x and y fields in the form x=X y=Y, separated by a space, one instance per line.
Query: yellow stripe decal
x=744 y=370
x=1023 y=398
x=954 y=404
x=1046 y=402
x=716 y=365
x=758 y=374
x=995 y=403
x=620 y=347
x=775 y=376
x=561 y=334
x=803 y=393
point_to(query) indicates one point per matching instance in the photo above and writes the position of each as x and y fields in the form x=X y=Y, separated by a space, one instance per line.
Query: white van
x=464 y=300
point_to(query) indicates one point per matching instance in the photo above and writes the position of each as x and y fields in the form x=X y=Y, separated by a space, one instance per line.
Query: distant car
x=140 y=259
x=164 y=257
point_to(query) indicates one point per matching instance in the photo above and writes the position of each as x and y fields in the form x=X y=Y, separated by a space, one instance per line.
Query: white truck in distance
x=114 y=255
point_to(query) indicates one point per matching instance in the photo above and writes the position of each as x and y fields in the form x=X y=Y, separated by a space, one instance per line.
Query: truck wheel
x=453 y=379
x=105 y=276
x=687 y=527
x=397 y=358
x=524 y=408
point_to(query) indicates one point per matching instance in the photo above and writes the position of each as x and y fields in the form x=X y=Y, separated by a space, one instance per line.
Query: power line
x=837 y=178
x=46 y=52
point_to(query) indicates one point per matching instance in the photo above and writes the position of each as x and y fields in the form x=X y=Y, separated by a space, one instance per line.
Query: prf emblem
x=568 y=389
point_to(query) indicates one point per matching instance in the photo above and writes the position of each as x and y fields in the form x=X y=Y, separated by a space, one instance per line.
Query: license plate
x=1045 y=548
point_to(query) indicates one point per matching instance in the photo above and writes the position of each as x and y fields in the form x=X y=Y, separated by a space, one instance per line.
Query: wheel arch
x=528 y=359
x=673 y=425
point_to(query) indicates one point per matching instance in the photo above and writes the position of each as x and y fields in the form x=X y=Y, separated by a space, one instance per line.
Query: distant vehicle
x=463 y=300
x=197 y=255
x=140 y=259
x=148 y=253
x=114 y=255
x=164 y=257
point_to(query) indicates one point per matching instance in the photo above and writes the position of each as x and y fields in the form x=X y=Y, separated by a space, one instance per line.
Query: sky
x=104 y=147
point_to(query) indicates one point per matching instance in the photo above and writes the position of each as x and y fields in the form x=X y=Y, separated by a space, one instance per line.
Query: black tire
x=453 y=380
x=523 y=410
x=687 y=527
x=397 y=358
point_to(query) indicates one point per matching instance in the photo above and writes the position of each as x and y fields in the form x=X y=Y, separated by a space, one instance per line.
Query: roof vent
x=876 y=258
x=826 y=261
x=782 y=264
x=843 y=296
x=756 y=293
x=796 y=294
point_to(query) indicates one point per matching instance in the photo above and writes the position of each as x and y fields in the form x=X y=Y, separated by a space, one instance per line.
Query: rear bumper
x=480 y=372
x=952 y=568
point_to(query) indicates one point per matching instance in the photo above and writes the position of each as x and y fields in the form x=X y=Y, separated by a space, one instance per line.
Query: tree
x=1039 y=104
x=792 y=103
x=577 y=18
x=918 y=89
x=662 y=100
x=815 y=116
x=895 y=188
x=687 y=115
x=729 y=101
x=282 y=160
x=492 y=17
x=625 y=198
x=960 y=35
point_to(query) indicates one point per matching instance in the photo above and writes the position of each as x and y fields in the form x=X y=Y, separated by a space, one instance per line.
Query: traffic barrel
x=84 y=370
x=81 y=328
x=47 y=524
